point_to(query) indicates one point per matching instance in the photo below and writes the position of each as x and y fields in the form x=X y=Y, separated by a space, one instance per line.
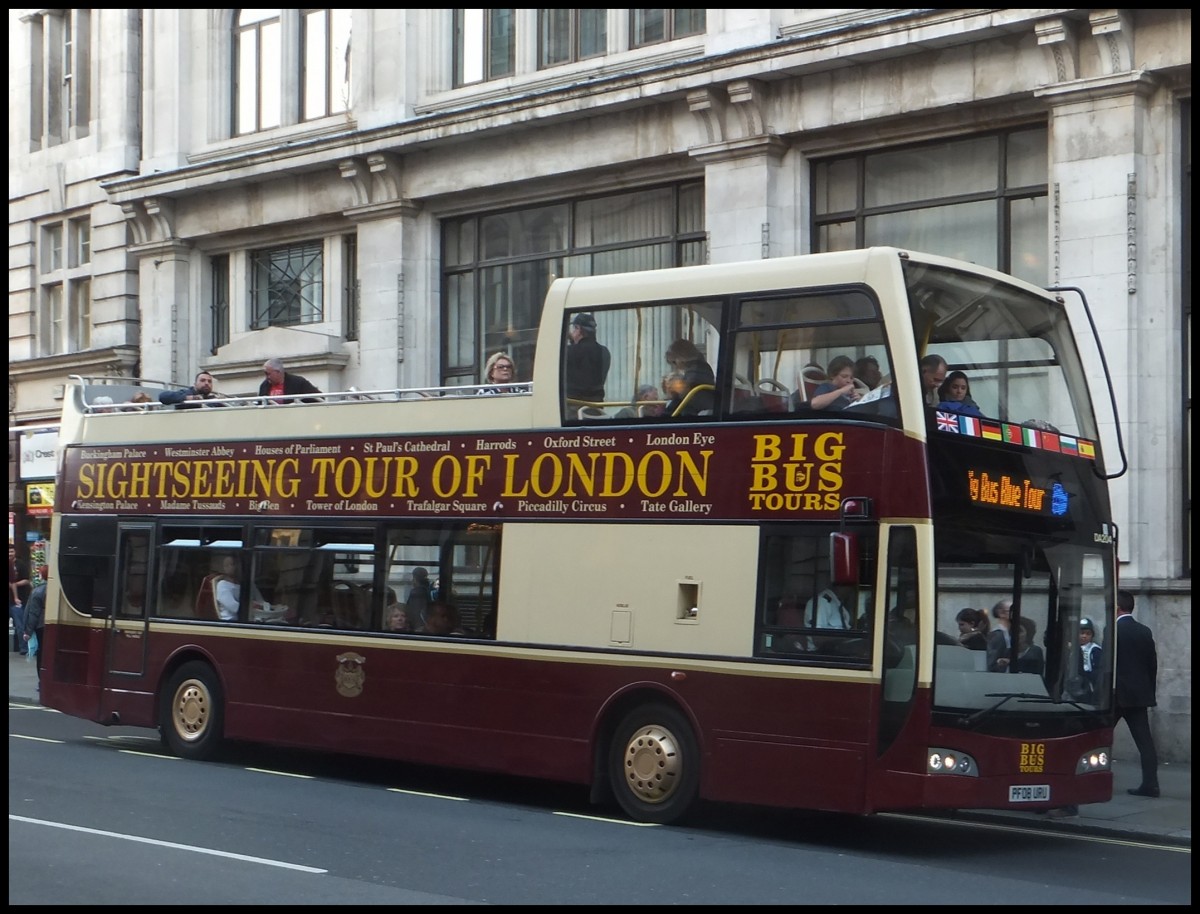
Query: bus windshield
x=1045 y=613
x=1019 y=355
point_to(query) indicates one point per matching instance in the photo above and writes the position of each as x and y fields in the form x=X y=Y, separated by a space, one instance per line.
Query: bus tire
x=654 y=764
x=191 y=718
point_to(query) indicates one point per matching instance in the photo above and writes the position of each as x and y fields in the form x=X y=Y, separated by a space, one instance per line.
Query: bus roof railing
x=93 y=389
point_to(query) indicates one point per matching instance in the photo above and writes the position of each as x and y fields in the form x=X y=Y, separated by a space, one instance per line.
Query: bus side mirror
x=843 y=558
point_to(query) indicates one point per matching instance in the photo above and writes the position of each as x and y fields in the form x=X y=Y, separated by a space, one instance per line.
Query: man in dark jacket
x=1137 y=676
x=35 y=617
x=201 y=389
x=587 y=361
x=279 y=383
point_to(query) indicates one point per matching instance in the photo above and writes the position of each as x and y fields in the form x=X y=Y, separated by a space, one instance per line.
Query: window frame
x=64 y=286
x=674 y=25
x=578 y=23
x=336 y=94
x=497 y=28
x=61 y=80
x=472 y=283
x=259 y=76
x=1006 y=194
x=301 y=309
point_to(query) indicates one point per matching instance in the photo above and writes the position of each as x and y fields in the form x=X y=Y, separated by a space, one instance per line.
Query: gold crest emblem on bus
x=349 y=675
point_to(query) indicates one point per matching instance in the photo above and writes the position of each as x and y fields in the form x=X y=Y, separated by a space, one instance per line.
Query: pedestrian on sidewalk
x=1137 y=677
x=18 y=593
x=35 y=619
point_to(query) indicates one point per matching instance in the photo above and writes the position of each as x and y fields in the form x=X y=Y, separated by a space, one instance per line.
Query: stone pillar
x=398 y=342
x=169 y=348
x=1110 y=235
x=748 y=195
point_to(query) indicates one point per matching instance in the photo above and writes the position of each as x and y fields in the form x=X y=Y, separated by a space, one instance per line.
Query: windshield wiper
x=1074 y=704
x=1004 y=697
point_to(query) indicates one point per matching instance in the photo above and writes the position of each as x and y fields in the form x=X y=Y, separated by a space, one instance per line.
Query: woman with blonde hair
x=500 y=369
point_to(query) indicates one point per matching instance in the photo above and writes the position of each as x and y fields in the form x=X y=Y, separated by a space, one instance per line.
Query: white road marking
x=169 y=844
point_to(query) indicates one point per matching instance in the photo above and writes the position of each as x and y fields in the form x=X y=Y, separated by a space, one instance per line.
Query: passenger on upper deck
x=933 y=374
x=500 y=369
x=137 y=403
x=642 y=404
x=587 y=361
x=279 y=383
x=683 y=357
x=955 y=395
x=201 y=389
x=839 y=391
x=867 y=370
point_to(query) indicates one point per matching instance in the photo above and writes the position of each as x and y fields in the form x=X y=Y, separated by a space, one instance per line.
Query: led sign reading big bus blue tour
x=1004 y=490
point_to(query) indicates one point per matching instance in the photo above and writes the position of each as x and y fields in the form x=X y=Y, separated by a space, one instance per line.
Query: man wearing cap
x=1088 y=663
x=586 y=361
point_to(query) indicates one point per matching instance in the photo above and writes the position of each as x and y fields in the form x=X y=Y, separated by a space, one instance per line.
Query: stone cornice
x=1135 y=82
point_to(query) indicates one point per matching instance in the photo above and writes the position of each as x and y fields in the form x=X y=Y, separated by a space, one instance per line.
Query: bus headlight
x=1096 y=760
x=950 y=761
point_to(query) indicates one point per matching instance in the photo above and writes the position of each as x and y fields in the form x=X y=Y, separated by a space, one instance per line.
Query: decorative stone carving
x=1058 y=37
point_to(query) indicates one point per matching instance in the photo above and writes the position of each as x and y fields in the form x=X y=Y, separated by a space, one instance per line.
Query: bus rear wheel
x=191 y=716
x=654 y=764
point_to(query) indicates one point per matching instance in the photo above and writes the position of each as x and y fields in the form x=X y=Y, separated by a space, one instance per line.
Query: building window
x=326 y=62
x=81 y=313
x=64 y=287
x=80 y=239
x=484 y=45
x=219 y=309
x=656 y=26
x=350 y=286
x=60 y=103
x=258 y=64
x=498 y=266
x=287 y=286
x=289 y=66
x=982 y=199
x=565 y=36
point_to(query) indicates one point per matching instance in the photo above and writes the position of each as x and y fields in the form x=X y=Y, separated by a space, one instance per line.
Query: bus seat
x=811 y=377
x=775 y=397
x=206 y=598
x=954 y=657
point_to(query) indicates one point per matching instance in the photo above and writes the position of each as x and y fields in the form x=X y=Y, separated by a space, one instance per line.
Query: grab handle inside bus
x=843 y=558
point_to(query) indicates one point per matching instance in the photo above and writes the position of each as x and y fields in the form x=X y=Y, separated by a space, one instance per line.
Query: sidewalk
x=1168 y=818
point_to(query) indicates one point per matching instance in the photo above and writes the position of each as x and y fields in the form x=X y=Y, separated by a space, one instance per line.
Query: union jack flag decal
x=947 y=422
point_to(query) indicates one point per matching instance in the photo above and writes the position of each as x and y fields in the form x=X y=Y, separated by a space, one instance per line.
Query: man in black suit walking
x=1137 y=675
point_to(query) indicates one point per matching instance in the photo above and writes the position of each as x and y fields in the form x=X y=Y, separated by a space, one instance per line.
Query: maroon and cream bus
x=741 y=585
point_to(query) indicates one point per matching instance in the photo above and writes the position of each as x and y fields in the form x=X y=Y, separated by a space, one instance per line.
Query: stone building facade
x=380 y=197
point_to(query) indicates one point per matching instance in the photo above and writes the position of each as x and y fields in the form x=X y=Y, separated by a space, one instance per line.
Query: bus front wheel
x=191 y=715
x=654 y=764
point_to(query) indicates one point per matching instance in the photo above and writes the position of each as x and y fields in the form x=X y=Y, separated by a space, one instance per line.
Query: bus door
x=129 y=620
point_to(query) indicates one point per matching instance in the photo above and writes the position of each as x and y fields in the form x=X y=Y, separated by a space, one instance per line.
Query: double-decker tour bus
x=729 y=576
